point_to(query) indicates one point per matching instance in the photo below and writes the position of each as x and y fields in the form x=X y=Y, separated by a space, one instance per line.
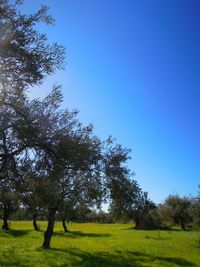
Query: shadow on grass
x=159 y=238
x=14 y=233
x=120 y=258
x=75 y=257
x=76 y=234
x=167 y=229
x=129 y=228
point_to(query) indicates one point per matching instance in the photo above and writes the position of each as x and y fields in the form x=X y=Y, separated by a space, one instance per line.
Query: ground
x=98 y=245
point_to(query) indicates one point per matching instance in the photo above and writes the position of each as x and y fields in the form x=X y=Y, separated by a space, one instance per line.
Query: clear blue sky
x=134 y=72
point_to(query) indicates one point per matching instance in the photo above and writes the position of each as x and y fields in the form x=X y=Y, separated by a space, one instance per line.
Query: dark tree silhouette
x=25 y=59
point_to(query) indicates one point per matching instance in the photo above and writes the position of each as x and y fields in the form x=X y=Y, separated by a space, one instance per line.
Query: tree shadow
x=14 y=233
x=129 y=228
x=177 y=230
x=159 y=238
x=76 y=234
x=120 y=258
x=164 y=260
x=166 y=230
x=74 y=257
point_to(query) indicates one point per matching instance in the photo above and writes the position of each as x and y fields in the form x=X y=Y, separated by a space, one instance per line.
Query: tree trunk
x=49 y=231
x=183 y=225
x=5 y=225
x=64 y=225
x=137 y=223
x=35 y=224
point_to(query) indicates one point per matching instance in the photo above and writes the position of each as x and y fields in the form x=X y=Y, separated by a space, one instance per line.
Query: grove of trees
x=50 y=162
x=52 y=166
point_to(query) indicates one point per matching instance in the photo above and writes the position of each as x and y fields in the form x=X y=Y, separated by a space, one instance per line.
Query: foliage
x=25 y=59
x=195 y=210
x=177 y=210
x=25 y=56
x=49 y=162
x=45 y=151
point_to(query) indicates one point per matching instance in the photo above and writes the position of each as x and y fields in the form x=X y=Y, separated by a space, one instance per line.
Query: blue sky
x=133 y=70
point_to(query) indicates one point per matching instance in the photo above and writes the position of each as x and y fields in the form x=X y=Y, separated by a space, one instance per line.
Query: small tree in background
x=127 y=198
x=9 y=203
x=87 y=193
x=30 y=197
x=195 y=209
x=66 y=212
x=141 y=212
x=178 y=210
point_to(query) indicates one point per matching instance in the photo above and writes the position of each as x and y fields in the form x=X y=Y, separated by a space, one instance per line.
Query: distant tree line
x=174 y=211
x=51 y=166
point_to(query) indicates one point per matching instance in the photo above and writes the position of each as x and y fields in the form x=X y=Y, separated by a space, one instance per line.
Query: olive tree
x=127 y=198
x=25 y=55
x=177 y=209
x=26 y=58
x=64 y=157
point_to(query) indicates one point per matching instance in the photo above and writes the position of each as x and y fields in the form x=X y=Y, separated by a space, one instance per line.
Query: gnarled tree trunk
x=35 y=223
x=5 y=225
x=49 y=231
x=64 y=225
x=183 y=224
x=138 y=223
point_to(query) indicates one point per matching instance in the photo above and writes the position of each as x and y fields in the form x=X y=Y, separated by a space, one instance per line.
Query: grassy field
x=97 y=245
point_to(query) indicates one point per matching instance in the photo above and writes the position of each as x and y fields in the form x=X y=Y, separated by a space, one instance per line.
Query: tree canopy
x=50 y=161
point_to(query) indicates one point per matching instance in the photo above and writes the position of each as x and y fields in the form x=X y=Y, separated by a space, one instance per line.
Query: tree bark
x=35 y=224
x=64 y=225
x=5 y=225
x=137 y=223
x=183 y=225
x=49 y=231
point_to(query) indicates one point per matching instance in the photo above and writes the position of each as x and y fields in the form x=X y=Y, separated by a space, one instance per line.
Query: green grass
x=98 y=245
